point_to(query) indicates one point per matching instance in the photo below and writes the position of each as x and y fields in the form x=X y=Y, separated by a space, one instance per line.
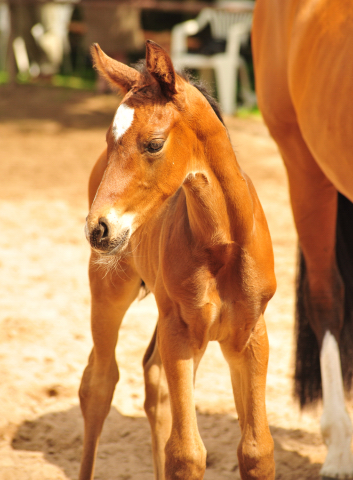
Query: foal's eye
x=155 y=146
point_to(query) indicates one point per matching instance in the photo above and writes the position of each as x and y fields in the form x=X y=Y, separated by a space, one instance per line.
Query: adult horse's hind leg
x=248 y=370
x=157 y=405
x=314 y=204
x=112 y=294
x=336 y=426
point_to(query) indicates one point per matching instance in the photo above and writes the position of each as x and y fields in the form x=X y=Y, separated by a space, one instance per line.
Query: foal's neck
x=218 y=198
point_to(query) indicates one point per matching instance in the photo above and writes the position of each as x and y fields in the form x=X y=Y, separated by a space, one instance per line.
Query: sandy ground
x=49 y=140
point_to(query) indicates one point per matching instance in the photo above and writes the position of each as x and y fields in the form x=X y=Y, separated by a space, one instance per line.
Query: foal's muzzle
x=102 y=238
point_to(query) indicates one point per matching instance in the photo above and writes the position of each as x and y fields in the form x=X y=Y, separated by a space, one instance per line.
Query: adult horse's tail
x=307 y=387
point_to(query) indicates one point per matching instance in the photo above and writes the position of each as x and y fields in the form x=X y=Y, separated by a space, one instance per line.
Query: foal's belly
x=320 y=73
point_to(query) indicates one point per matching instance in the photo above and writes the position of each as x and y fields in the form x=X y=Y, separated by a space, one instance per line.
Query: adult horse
x=304 y=79
x=171 y=207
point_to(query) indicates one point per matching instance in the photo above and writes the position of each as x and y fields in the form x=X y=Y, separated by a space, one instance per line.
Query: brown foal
x=172 y=208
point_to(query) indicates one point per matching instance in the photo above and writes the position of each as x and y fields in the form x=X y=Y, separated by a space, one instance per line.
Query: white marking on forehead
x=122 y=120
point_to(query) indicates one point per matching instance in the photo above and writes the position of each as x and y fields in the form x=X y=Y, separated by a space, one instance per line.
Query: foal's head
x=158 y=136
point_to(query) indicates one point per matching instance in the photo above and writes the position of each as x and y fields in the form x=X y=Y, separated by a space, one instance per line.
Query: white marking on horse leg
x=122 y=121
x=336 y=426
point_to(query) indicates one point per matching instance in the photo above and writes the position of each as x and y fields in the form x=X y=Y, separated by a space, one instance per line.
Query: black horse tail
x=144 y=291
x=307 y=377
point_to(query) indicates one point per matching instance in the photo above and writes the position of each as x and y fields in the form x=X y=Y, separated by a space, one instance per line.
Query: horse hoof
x=338 y=476
x=350 y=477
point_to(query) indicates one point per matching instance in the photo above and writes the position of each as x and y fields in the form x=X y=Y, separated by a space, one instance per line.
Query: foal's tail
x=307 y=388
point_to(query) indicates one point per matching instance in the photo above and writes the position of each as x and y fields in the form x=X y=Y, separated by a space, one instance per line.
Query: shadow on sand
x=125 y=448
x=68 y=108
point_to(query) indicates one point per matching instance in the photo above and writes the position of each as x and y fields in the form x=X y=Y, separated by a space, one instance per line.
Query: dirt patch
x=49 y=140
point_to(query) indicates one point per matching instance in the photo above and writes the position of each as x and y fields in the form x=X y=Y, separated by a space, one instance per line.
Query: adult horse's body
x=303 y=57
x=171 y=205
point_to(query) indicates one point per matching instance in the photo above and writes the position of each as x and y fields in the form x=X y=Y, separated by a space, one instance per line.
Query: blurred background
x=43 y=42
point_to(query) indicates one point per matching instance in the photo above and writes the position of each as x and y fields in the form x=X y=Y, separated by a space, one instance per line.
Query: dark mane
x=202 y=88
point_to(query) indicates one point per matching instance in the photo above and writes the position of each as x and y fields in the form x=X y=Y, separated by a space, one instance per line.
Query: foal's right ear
x=118 y=74
x=160 y=66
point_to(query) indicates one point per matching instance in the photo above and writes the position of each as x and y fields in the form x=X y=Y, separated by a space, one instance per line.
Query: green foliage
x=4 y=77
x=71 y=81
x=253 y=112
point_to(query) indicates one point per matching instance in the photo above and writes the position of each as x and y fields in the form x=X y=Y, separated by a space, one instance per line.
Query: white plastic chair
x=229 y=21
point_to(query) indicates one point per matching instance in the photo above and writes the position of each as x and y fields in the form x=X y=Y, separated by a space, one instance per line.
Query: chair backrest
x=227 y=20
x=222 y=20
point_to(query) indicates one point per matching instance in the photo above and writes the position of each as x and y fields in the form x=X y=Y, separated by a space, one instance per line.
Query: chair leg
x=247 y=94
x=207 y=77
x=226 y=79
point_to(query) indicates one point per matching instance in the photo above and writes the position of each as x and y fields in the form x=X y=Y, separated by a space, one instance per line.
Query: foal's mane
x=187 y=76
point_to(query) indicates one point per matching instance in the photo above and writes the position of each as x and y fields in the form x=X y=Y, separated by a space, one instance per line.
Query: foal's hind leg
x=314 y=204
x=248 y=373
x=157 y=405
x=111 y=296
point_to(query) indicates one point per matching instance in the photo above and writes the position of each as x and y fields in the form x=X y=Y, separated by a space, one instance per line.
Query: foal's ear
x=117 y=74
x=160 y=66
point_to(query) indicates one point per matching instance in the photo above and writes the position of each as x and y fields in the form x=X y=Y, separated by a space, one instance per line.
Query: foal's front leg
x=185 y=454
x=248 y=372
x=111 y=296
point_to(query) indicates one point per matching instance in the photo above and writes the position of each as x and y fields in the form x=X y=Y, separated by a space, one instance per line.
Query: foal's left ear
x=160 y=66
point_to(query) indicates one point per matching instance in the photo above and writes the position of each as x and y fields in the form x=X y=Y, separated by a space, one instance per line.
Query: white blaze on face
x=122 y=121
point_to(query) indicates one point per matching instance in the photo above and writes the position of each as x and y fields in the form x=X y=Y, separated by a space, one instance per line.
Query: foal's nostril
x=100 y=235
x=104 y=228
